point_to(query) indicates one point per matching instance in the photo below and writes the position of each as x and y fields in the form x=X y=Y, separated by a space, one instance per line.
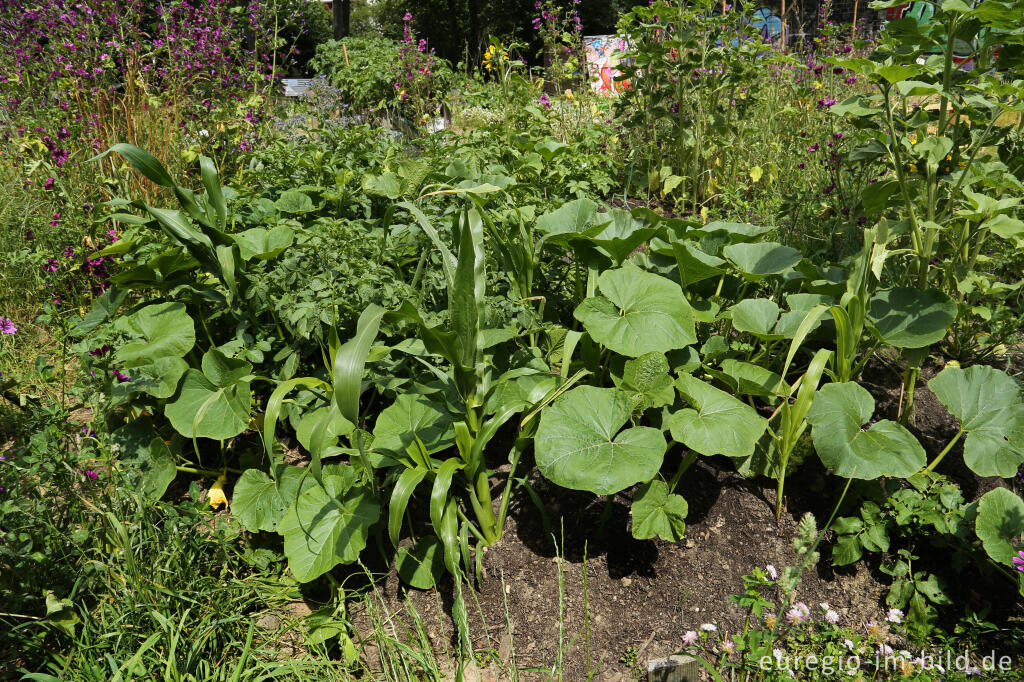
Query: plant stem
x=949 y=446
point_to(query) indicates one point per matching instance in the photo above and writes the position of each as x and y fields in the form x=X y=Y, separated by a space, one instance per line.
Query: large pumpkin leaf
x=761 y=259
x=167 y=329
x=409 y=418
x=720 y=424
x=294 y=201
x=328 y=525
x=737 y=232
x=158 y=378
x=256 y=501
x=1000 y=523
x=213 y=403
x=695 y=265
x=886 y=449
x=572 y=219
x=990 y=409
x=907 y=317
x=756 y=316
x=637 y=313
x=647 y=379
x=747 y=378
x=264 y=244
x=579 y=446
x=657 y=512
x=622 y=234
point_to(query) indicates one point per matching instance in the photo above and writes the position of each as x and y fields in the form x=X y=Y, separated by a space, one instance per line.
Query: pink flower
x=408 y=16
x=7 y=327
x=49 y=183
x=1018 y=561
x=89 y=473
x=690 y=638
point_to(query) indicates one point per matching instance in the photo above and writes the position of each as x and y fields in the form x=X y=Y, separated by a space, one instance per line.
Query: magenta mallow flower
x=122 y=377
x=49 y=183
x=1018 y=561
x=408 y=16
x=7 y=327
x=89 y=473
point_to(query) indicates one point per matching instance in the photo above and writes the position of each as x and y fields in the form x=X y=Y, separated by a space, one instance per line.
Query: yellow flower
x=215 y=495
x=568 y=95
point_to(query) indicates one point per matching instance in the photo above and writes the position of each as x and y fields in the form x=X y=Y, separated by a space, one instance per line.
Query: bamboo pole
x=344 y=51
x=853 y=29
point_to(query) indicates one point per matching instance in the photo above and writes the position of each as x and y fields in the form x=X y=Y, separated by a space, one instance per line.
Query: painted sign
x=603 y=55
x=767 y=23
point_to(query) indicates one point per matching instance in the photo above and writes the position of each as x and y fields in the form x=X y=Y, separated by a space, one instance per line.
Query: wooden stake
x=344 y=51
x=784 y=43
x=853 y=29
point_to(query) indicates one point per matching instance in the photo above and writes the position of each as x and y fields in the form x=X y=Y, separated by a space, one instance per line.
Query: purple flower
x=50 y=265
x=408 y=16
x=1018 y=561
x=49 y=183
x=121 y=377
x=814 y=147
x=90 y=474
x=6 y=326
x=56 y=220
x=544 y=102
x=102 y=350
x=69 y=252
x=87 y=432
x=832 y=616
x=838 y=136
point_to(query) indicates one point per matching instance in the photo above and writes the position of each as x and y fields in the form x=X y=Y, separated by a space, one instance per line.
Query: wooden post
x=344 y=51
x=853 y=29
x=784 y=42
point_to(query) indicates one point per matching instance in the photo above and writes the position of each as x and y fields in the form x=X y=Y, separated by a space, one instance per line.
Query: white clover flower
x=709 y=627
x=832 y=616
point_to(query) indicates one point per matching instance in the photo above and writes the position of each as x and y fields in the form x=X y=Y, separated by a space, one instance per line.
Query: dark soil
x=626 y=600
